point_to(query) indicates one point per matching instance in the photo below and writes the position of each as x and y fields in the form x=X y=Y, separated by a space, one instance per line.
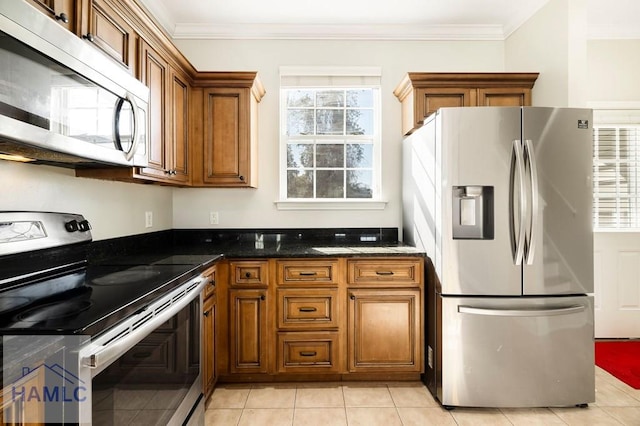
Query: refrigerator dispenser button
x=468 y=212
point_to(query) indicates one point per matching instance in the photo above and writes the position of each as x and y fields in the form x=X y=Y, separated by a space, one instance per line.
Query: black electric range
x=55 y=290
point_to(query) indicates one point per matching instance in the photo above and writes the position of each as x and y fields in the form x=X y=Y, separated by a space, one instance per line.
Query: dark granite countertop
x=203 y=247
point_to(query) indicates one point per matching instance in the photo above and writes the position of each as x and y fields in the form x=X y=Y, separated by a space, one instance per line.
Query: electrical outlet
x=148 y=219
x=213 y=218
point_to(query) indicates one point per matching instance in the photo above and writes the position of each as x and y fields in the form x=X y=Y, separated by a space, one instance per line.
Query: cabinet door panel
x=179 y=104
x=112 y=34
x=226 y=137
x=504 y=97
x=432 y=99
x=248 y=331
x=384 y=330
x=209 y=345
x=154 y=74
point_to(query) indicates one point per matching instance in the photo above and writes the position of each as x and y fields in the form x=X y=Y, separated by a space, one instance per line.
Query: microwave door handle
x=136 y=131
x=116 y=125
x=533 y=228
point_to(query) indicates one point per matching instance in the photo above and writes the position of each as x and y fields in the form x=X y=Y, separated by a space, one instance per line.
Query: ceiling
x=376 y=19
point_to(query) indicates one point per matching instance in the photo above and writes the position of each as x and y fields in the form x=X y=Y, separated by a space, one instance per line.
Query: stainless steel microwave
x=63 y=102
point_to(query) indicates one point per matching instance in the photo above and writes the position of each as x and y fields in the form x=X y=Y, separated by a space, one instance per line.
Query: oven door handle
x=129 y=333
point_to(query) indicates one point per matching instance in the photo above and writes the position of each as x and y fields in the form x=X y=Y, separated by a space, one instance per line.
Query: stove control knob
x=84 y=225
x=72 y=226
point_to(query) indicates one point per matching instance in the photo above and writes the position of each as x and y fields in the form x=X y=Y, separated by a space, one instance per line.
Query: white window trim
x=614 y=105
x=376 y=203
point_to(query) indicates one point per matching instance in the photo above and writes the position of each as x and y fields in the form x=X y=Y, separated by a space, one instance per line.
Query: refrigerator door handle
x=533 y=228
x=566 y=310
x=518 y=241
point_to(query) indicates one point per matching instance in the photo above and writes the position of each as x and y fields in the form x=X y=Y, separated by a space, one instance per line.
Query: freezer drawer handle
x=567 y=310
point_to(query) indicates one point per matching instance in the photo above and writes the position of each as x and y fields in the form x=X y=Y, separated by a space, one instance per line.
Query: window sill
x=331 y=205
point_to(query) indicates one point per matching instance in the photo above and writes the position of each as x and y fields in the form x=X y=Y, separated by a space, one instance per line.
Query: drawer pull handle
x=308 y=353
x=307 y=309
x=142 y=355
x=384 y=272
x=308 y=274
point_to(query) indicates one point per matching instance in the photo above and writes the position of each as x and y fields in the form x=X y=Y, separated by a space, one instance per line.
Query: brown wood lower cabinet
x=321 y=319
x=384 y=330
x=248 y=331
x=308 y=352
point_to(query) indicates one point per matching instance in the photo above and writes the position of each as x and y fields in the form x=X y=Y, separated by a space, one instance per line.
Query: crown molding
x=337 y=32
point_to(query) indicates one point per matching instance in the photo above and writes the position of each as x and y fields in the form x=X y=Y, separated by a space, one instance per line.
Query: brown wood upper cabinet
x=65 y=12
x=168 y=139
x=421 y=94
x=226 y=154
x=108 y=30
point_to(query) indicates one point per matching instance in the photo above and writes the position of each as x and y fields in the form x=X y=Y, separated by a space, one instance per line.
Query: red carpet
x=622 y=359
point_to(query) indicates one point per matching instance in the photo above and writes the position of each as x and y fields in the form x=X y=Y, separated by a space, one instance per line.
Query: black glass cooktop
x=87 y=300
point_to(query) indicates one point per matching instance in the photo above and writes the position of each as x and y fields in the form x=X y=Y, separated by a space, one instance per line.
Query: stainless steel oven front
x=146 y=369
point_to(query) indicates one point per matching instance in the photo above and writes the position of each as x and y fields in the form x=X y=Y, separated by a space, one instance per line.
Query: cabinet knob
x=88 y=37
x=247 y=274
x=206 y=314
x=212 y=283
x=242 y=178
x=62 y=17
x=352 y=296
x=262 y=297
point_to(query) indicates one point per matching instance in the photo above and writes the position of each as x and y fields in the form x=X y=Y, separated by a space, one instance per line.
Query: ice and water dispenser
x=473 y=215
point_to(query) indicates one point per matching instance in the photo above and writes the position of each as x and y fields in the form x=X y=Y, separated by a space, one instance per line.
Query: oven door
x=147 y=369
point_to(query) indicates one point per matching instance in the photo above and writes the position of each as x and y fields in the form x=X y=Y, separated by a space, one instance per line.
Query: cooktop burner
x=53 y=311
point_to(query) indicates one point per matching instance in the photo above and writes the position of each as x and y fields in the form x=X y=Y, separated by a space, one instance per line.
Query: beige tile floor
x=401 y=403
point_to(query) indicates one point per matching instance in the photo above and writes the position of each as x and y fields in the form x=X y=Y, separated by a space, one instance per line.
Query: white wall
x=541 y=45
x=114 y=209
x=255 y=208
x=613 y=70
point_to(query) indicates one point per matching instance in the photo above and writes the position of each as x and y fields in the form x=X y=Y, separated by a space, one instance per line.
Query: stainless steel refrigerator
x=501 y=200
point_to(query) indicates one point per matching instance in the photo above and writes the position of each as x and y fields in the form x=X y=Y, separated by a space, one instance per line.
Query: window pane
x=299 y=184
x=300 y=98
x=330 y=184
x=330 y=122
x=359 y=155
x=359 y=122
x=330 y=155
x=299 y=122
x=299 y=155
x=330 y=98
x=359 y=184
x=360 y=98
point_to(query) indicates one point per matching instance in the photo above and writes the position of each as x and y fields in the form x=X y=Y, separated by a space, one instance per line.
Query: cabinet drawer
x=249 y=274
x=307 y=308
x=395 y=272
x=301 y=272
x=308 y=352
x=210 y=287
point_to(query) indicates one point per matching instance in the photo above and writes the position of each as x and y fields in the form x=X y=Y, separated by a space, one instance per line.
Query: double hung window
x=330 y=133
